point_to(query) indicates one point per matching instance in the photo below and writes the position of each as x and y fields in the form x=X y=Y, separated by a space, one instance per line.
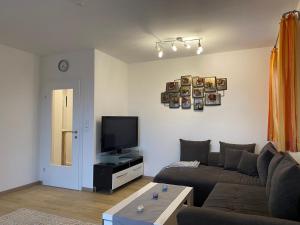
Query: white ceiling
x=128 y=29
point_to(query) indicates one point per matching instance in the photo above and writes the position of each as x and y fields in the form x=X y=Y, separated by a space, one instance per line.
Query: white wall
x=19 y=89
x=242 y=117
x=81 y=69
x=111 y=90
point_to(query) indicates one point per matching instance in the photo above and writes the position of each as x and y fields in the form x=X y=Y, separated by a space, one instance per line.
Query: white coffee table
x=167 y=215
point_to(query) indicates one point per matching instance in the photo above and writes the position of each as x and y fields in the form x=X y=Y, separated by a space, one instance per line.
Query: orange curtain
x=283 y=88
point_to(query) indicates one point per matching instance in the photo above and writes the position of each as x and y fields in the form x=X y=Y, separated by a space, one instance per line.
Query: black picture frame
x=165 y=98
x=172 y=87
x=198 y=81
x=186 y=102
x=212 y=99
x=186 y=80
x=174 y=100
x=198 y=92
x=221 y=84
x=198 y=104
x=185 y=91
x=210 y=84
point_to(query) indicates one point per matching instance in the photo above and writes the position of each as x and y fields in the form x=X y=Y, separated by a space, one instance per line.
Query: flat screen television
x=119 y=132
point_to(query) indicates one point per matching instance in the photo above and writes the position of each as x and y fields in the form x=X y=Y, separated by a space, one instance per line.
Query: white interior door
x=63 y=134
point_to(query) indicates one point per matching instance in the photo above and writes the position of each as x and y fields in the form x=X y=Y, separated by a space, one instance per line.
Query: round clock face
x=63 y=65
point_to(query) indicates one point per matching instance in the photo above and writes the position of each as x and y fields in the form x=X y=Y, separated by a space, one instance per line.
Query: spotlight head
x=188 y=46
x=160 y=54
x=200 y=48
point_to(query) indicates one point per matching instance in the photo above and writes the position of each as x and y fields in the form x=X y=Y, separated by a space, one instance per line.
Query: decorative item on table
x=140 y=208
x=222 y=84
x=186 y=80
x=185 y=91
x=155 y=195
x=174 y=100
x=172 y=87
x=210 y=84
x=198 y=92
x=186 y=102
x=165 y=98
x=212 y=99
x=198 y=82
x=198 y=104
x=165 y=187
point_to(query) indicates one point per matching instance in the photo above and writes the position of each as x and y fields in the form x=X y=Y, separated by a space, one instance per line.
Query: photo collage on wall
x=204 y=91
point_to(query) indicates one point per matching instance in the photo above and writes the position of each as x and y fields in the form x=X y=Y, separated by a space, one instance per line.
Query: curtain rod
x=284 y=15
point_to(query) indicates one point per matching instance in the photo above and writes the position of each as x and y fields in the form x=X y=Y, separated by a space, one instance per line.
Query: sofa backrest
x=213 y=158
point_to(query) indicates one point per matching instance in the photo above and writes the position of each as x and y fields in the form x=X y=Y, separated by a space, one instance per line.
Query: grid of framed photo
x=204 y=90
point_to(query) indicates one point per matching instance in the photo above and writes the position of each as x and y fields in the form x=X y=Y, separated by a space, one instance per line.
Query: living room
x=176 y=72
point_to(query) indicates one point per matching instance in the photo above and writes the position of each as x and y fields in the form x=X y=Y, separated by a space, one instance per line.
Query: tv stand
x=117 y=170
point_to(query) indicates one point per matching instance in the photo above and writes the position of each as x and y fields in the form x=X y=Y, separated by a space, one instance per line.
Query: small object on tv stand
x=122 y=169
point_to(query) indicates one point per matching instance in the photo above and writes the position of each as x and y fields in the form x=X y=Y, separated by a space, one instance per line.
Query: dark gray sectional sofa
x=228 y=197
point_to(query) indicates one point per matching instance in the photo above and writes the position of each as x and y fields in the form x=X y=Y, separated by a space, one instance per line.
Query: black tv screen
x=119 y=132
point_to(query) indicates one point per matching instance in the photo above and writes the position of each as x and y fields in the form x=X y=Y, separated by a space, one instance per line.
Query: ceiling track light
x=179 y=40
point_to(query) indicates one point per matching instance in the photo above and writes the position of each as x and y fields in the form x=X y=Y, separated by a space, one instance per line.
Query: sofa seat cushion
x=202 y=179
x=234 y=177
x=238 y=198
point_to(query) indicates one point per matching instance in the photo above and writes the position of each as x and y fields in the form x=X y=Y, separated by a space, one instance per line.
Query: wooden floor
x=84 y=206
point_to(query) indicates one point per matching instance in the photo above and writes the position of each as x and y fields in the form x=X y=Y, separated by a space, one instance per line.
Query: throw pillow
x=232 y=158
x=247 y=164
x=263 y=161
x=273 y=164
x=223 y=146
x=194 y=150
x=285 y=191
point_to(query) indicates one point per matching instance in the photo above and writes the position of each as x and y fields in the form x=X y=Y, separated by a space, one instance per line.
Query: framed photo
x=174 y=100
x=222 y=84
x=185 y=91
x=198 y=104
x=212 y=99
x=186 y=80
x=198 y=82
x=165 y=98
x=186 y=102
x=210 y=84
x=198 y=92
x=172 y=87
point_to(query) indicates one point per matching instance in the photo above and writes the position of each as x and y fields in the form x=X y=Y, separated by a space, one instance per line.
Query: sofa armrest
x=206 y=216
x=213 y=158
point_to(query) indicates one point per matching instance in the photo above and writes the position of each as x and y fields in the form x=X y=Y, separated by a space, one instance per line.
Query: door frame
x=47 y=123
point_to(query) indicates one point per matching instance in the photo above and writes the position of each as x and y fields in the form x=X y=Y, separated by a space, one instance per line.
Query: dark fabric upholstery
x=264 y=160
x=213 y=158
x=284 y=199
x=234 y=177
x=232 y=158
x=223 y=146
x=272 y=166
x=208 y=216
x=203 y=179
x=248 y=164
x=238 y=198
x=194 y=150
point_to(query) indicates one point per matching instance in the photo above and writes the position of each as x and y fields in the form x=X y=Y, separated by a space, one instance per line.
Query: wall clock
x=63 y=65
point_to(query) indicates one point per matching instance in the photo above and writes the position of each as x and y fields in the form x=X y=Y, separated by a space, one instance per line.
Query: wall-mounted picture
x=185 y=91
x=172 y=87
x=186 y=80
x=186 y=102
x=222 y=84
x=198 y=82
x=212 y=99
x=210 y=84
x=198 y=103
x=198 y=92
x=165 y=98
x=174 y=100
